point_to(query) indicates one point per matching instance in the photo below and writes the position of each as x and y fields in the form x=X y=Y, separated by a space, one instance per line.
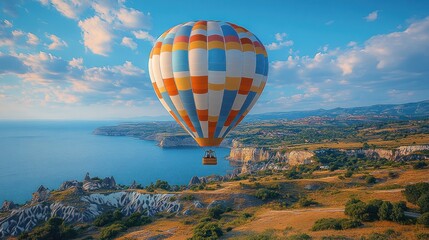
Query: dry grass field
x=295 y=219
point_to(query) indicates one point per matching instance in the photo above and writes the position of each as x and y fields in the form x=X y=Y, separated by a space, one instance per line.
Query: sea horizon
x=49 y=152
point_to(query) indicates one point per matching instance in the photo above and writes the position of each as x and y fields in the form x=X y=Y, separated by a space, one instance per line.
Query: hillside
x=388 y=111
x=273 y=204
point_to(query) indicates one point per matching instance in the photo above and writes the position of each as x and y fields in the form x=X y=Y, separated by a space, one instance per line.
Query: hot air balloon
x=208 y=75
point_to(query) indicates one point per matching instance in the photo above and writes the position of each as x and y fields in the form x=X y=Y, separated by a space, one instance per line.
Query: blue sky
x=77 y=59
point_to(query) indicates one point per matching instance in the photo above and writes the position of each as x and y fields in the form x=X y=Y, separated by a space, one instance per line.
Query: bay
x=34 y=153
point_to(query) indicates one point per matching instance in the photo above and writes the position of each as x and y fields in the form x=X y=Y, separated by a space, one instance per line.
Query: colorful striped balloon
x=208 y=75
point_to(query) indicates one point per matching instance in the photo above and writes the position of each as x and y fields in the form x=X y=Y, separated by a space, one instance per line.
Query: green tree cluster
x=418 y=194
x=375 y=210
x=53 y=229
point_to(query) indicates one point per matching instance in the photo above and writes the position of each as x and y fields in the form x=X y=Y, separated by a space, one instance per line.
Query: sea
x=34 y=153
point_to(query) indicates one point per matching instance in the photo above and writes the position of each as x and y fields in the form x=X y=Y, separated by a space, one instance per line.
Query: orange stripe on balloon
x=200 y=84
x=155 y=87
x=203 y=115
x=170 y=86
x=245 y=85
x=231 y=116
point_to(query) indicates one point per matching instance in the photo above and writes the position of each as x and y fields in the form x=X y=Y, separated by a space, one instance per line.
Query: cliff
x=296 y=157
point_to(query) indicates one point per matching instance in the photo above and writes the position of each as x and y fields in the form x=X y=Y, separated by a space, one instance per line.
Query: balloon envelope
x=208 y=75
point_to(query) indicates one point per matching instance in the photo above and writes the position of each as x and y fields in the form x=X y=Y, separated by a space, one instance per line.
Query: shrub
x=53 y=229
x=207 y=230
x=162 y=185
x=136 y=219
x=387 y=235
x=393 y=175
x=423 y=203
x=424 y=219
x=111 y=231
x=188 y=197
x=370 y=179
x=422 y=236
x=266 y=235
x=300 y=236
x=215 y=212
x=265 y=194
x=335 y=224
x=305 y=202
x=107 y=218
x=419 y=165
x=348 y=174
x=414 y=191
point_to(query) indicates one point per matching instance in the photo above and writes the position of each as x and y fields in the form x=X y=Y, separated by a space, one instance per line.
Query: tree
x=423 y=203
x=372 y=209
x=207 y=230
x=419 y=165
x=370 y=179
x=215 y=212
x=414 y=191
x=162 y=185
x=357 y=210
x=424 y=219
x=385 y=211
x=398 y=214
x=53 y=229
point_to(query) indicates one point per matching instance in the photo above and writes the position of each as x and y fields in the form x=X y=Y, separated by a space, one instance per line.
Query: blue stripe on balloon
x=180 y=61
x=227 y=101
x=266 y=66
x=246 y=104
x=260 y=64
x=187 y=98
x=228 y=30
x=217 y=59
x=170 y=104
x=168 y=40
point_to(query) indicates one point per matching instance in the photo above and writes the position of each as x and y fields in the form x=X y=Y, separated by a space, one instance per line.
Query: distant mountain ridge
x=397 y=111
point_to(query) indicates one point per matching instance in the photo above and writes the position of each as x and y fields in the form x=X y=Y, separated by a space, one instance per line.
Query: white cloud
x=128 y=42
x=68 y=8
x=143 y=35
x=56 y=43
x=32 y=39
x=111 y=18
x=280 y=36
x=17 y=33
x=280 y=42
x=372 y=16
x=7 y=23
x=76 y=63
x=133 y=19
x=97 y=35
x=398 y=60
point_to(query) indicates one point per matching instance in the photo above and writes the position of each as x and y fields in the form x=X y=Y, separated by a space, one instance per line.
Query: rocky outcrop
x=86 y=209
x=7 y=206
x=194 y=181
x=397 y=154
x=91 y=184
x=70 y=184
x=42 y=194
x=299 y=157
